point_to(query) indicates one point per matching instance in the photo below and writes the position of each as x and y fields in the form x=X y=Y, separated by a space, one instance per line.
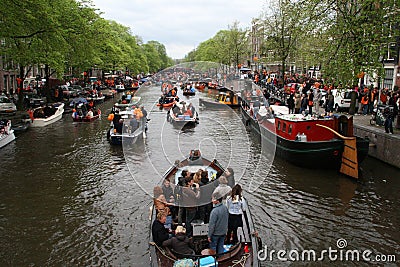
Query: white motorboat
x=6 y=133
x=129 y=131
x=43 y=116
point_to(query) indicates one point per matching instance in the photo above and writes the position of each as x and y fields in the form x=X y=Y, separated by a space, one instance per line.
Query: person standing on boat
x=223 y=189
x=236 y=206
x=218 y=225
x=304 y=103
x=310 y=101
x=297 y=102
x=190 y=195
x=290 y=103
x=318 y=98
x=256 y=108
x=330 y=102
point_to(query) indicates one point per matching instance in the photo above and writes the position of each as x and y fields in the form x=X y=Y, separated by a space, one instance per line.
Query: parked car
x=33 y=101
x=342 y=99
x=7 y=105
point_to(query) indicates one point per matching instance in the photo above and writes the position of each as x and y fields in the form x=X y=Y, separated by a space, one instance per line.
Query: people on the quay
x=389 y=118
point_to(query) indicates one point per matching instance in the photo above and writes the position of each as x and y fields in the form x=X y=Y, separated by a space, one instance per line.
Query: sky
x=180 y=25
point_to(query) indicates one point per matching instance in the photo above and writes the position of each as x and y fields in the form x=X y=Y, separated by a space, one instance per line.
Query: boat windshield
x=212 y=173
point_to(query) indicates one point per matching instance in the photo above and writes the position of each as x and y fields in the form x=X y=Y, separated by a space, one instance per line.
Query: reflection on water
x=69 y=198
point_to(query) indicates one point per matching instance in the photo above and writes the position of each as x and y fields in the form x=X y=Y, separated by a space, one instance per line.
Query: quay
x=383 y=146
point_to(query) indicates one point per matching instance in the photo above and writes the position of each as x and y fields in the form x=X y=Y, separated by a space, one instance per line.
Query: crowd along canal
x=69 y=198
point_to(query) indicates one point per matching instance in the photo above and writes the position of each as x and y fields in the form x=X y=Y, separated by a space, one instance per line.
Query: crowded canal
x=70 y=198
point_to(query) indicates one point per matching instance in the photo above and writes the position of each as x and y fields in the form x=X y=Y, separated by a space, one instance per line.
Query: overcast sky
x=180 y=25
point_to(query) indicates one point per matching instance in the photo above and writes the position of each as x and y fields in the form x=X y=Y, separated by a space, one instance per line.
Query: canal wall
x=383 y=146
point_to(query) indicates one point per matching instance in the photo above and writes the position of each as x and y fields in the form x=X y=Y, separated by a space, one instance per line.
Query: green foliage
x=226 y=47
x=63 y=34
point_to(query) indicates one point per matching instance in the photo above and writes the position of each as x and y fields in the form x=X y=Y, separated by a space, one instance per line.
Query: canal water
x=69 y=198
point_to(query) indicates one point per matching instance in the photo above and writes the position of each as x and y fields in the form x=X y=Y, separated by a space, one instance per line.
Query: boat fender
x=247 y=122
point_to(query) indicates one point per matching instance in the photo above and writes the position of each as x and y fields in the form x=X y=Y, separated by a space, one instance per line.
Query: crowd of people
x=197 y=197
x=304 y=95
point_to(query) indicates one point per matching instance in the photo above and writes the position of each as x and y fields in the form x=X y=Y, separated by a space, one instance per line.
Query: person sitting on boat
x=89 y=114
x=138 y=113
x=190 y=196
x=176 y=110
x=192 y=89
x=236 y=206
x=180 y=243
x=158 y=230
x=39 y=113
x=168 y=191
x=184 y=108
x=75 y=114
x=189 y=113
x=162 y=99
x=159 y=201
x=218 y=225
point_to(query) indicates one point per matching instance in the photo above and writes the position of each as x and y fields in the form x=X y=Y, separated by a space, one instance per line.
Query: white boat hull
x=42 y=122
x=5 y=139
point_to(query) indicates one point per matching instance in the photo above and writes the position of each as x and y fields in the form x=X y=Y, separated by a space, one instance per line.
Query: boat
x=80 y=114
x=309 y=141
x=125 y=134
x=43 y=116
x=167 y=101
x=227 y=98
x=127 y=101
x=109 y=93
x=176 y=117
x=6 y=133
x=244 y=252
x=21 y=126
x=96 y=98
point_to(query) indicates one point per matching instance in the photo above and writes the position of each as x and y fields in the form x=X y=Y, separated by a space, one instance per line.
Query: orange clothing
x=364 y=100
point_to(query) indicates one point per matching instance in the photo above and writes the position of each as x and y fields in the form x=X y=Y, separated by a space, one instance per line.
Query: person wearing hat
x=218 y=224
x=180 y=243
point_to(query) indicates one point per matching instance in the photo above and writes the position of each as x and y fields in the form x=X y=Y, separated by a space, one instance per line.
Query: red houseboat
x=309 y=141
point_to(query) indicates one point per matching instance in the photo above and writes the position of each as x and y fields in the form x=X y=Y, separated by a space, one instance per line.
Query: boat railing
x=174 y=255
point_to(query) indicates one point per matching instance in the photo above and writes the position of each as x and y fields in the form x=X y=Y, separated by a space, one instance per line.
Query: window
x=388 y=80
x=279 y=125
x=284 y=127
x=290 y=129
